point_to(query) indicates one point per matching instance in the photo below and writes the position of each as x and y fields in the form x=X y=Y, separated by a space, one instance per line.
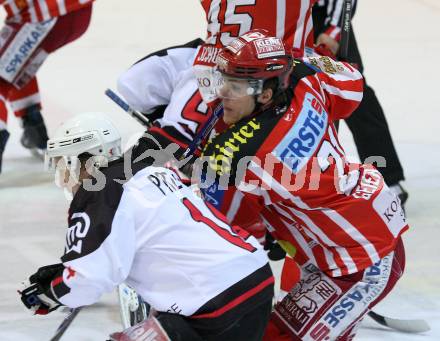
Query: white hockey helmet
x=91 y=133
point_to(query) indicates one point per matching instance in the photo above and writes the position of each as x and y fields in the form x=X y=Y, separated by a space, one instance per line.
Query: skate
x=132 y=308
x=4 y=136
x=34 y=135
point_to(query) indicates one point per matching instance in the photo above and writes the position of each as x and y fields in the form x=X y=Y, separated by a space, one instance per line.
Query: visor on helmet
x=232 y=87
x=52 y=163
x=65 y=168
x=70 y=171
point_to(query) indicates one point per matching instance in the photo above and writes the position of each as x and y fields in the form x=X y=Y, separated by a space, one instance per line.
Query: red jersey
x=40 y=10
x=292 y=170
x=289 y=20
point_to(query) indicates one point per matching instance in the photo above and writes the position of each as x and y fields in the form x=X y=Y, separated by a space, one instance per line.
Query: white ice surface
x=400 y=44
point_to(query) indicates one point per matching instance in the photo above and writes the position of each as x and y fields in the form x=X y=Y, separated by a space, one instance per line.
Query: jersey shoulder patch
x=325 y=64
x=92 y=211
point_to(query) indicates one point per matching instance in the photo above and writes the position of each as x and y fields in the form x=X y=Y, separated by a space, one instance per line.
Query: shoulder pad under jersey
x=302 y=69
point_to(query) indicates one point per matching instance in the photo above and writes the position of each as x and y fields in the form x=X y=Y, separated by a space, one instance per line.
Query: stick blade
x=405 y=326
x=408 y=326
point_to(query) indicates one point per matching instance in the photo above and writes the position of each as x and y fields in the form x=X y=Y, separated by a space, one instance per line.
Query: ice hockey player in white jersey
x=132 y=220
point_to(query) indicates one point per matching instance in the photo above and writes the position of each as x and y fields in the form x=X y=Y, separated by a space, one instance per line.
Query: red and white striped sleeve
x=339 y=84
x=41 y=10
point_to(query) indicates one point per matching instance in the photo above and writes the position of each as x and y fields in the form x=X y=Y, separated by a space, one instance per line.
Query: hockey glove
x=323 y=50
x=37 y=294
x=274 y=251
x=326 y=41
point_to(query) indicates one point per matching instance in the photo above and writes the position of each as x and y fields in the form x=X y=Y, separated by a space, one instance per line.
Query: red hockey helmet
x=253 y=57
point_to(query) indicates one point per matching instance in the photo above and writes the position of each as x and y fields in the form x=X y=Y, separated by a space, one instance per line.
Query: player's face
x=237 y=109
x=68 y=175
x=238 y=96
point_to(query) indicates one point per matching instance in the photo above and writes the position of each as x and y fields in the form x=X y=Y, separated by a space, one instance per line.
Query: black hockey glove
x=37 y=295
x=274 y=251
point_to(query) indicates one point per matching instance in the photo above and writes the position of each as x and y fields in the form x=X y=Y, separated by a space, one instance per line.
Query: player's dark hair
x=280 y=96
x=271 y=83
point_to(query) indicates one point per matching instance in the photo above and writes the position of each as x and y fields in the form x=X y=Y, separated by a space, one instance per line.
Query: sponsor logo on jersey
x=207 y=55
x=303 y=139
x=269 y=47
x=205 y=81
x=326 y=64
x=355 y=301
x=22 y=47
x=77 y=232
x=311 y=294
x=213 y=194
x=368 y=185
x=30 y=69
x=393 y=209
x=221 y=159
x=388 y=207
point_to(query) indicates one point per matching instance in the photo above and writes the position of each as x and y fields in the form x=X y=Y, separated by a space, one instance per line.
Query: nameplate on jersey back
x=301 y=142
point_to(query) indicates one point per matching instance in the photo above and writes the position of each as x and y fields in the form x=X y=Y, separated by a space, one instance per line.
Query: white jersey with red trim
x=157 y=235
x=40 y=10
x=165 y=80
x=292 y=169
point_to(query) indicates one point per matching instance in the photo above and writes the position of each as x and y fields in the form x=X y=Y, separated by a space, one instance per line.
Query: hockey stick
x=134 y=113
x=346 y=29
x=405 y=326
x=345 y=37
x=203 y=133
x=65 y=324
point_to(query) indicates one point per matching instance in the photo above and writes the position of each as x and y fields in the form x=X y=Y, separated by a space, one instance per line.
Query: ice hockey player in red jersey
x=33 y=29
x=206 y=279
x=281 y=154
x=163 y=84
